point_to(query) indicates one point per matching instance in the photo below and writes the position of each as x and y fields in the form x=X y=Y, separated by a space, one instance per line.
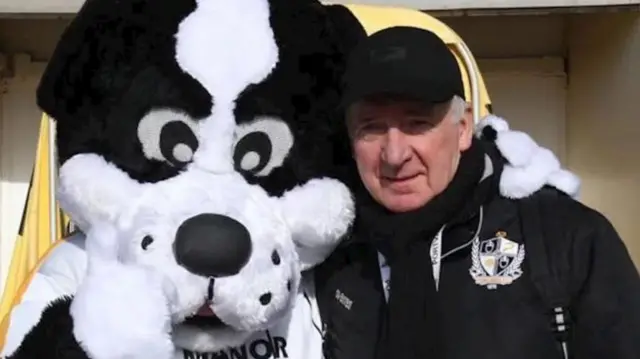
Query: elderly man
x=440 y=263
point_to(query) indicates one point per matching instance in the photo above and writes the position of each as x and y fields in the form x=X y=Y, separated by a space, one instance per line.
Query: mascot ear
x=119 y=310
x=319 y=214
x=529 y=166
x=64 y=86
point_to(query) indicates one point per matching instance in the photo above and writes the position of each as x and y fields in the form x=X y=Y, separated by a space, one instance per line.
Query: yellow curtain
x=34 y=237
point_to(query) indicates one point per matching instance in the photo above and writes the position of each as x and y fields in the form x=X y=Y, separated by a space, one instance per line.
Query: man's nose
x=395 y=149
x=212 y=245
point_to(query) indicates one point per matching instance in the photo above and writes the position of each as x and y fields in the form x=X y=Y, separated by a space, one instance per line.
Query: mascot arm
x=52 y=337
x=70 y=327
x=58 y=275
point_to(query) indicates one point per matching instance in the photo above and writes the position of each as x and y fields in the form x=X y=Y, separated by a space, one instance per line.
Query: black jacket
x=584 y=256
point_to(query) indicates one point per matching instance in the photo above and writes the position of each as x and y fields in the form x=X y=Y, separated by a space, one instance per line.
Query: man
x=440 y=264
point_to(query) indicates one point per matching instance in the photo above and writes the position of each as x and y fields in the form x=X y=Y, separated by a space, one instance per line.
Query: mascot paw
x=120 y=311
x=319 y=214
x=566 y=182
x=529 y=166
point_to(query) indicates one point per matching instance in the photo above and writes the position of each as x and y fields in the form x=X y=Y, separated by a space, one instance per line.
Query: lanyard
x=436 y=259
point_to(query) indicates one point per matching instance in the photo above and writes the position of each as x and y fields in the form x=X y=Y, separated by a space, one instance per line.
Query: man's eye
x=373 y=127
x=419 y=124
x=370 y=130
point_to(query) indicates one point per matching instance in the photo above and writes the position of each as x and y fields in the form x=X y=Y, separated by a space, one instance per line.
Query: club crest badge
x=496 y=261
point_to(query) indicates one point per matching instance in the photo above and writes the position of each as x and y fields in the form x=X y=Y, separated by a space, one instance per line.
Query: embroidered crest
x=496 y=261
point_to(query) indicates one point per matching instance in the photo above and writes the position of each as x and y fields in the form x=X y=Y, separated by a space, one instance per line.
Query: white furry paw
x=121 y=314
x=520 y=182
x=529 y=166
x=120 y=311
x=319 y=214
x=566 y=182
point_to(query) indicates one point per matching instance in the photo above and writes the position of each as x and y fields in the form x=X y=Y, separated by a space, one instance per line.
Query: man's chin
x=206 y=336
x=405 y=202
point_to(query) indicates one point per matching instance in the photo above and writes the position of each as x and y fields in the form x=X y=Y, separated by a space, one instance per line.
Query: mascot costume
x=201 y=156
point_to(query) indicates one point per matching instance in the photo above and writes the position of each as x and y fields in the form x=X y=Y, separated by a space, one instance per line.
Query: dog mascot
x=197 y=143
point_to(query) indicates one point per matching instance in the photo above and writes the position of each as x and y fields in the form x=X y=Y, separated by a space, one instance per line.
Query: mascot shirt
x=297 y=336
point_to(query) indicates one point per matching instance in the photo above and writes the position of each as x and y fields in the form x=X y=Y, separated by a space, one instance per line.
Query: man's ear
x=465 y=128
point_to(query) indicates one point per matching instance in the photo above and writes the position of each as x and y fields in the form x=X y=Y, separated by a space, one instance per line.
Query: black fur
x=303 y=90
x=115 y=62
x=52 y=337
x=489 y=133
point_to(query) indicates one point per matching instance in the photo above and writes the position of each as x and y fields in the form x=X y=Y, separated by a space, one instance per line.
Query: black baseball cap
x=405 y=61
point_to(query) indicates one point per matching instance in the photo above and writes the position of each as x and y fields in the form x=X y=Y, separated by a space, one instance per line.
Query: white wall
x=531 y=94
x=604 y=117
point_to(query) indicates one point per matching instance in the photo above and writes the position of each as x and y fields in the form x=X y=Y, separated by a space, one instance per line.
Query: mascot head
x=194 y=146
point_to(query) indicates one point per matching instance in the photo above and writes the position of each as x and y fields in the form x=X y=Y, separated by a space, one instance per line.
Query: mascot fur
x=200 y=154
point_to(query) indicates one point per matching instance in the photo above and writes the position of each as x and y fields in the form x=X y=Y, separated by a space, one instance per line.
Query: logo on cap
x=388 y=54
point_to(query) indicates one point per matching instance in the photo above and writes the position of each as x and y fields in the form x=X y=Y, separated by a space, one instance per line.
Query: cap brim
x=421 y=90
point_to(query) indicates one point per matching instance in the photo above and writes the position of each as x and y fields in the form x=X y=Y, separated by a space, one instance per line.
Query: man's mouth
x=400 y=179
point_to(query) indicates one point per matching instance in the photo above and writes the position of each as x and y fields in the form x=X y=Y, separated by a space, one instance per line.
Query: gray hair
x=457 y=107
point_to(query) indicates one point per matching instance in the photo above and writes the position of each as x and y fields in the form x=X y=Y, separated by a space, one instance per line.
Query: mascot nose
x=212 y=245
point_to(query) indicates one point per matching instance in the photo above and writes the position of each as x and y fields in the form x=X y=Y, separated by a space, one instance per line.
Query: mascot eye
x=261 y=146
x=168 y=136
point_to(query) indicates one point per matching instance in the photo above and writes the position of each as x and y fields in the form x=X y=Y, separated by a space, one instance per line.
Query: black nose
x=212 y=245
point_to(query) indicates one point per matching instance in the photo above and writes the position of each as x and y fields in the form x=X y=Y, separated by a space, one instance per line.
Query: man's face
x=407 y=152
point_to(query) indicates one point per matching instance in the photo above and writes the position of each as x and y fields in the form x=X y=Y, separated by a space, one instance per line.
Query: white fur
x=529 y=167
x=519 y=182
x=499 y=124
x=566 y=182
x=226 y=46
x=319 y=212
x=120 y=311
x=91 y=190
x=521 y=147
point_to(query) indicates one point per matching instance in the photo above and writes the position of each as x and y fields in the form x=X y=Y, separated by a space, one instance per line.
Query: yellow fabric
x=34 y=239
x=375 y=18
x=4 y=325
